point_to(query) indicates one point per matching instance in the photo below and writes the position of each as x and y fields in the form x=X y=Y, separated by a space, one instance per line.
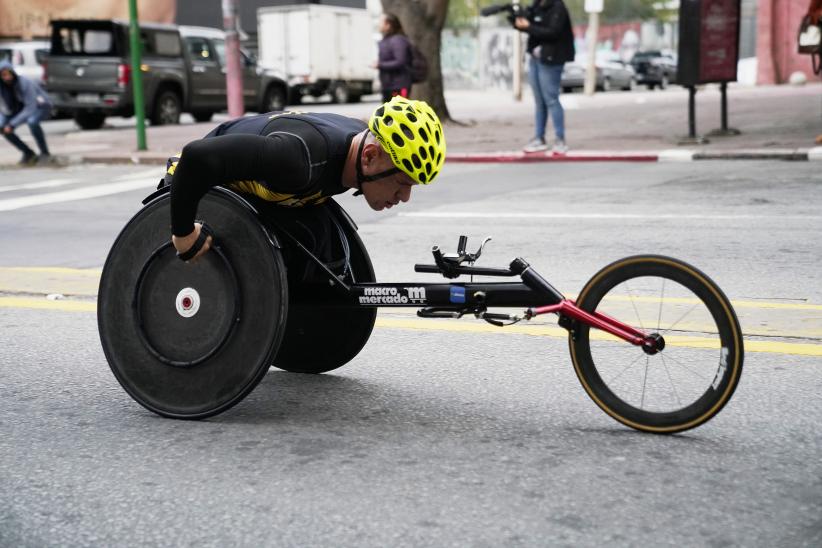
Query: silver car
x=612 y=72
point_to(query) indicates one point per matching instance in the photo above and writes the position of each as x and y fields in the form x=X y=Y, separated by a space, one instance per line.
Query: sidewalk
x=776 y=122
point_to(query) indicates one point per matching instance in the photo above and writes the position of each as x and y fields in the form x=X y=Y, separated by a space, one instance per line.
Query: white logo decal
x=723 y=366
x=187 y=302
x=392 y=295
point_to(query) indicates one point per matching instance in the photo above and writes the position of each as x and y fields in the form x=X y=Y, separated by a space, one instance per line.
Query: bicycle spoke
x=661 y=300
x=680 y=318
x=624 y=370
x=686 y=368
x=670 y=380
x=644 y=382
x=631 y=298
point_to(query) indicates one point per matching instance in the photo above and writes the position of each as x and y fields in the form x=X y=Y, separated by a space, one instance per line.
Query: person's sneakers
x=29 y=159
x=45 y=160
x=535 y=145
x=559 y=147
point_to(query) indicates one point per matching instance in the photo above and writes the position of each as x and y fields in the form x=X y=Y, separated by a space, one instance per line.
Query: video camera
x=513 y=11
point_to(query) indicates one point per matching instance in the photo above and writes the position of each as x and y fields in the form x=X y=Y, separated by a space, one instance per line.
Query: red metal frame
x=616 y=328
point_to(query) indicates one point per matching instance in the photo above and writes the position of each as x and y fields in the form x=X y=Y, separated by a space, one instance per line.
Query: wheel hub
x=654 y=344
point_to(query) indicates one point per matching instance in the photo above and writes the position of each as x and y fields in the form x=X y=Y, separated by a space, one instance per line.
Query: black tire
x=650 y=86
x=274 y=99
x=340 y=93
x=202 y=115
x=167 y=108
x=196 y=359
x=606 y=84
x=89 y=120
x=320 y=339
x=703 y=348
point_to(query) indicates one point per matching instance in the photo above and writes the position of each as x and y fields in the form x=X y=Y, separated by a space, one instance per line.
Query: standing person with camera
x=550 y=46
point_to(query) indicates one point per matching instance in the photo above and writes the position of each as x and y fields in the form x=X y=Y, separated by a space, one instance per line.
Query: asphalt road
x=440 y=433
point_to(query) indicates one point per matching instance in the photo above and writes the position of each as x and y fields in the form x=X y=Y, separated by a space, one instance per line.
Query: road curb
x=669 y=155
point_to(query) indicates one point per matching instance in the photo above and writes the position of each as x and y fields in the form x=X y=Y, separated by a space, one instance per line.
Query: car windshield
x=94 y=39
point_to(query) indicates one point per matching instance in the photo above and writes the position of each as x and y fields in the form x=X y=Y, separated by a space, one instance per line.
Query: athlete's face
x=388 y=192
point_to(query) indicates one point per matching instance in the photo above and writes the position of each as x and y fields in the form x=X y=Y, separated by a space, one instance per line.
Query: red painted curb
x=521 y=157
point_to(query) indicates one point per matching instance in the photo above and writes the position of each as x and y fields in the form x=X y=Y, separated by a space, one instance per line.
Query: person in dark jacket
x=394 y=61
x=23 y=101
x=550 y=46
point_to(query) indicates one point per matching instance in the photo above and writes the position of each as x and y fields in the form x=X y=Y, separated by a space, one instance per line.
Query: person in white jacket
x=23 y=101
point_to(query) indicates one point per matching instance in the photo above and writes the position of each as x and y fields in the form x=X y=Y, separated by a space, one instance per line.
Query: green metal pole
x=137 y=74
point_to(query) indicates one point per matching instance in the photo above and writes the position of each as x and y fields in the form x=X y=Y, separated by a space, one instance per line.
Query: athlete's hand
x=522 y=23
x=8 y=130
x=184 y=243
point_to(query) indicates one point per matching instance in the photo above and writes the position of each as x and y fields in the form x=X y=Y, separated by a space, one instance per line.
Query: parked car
x=612 y=73
x=27 y=57
x=655 y=68
x=183 y=70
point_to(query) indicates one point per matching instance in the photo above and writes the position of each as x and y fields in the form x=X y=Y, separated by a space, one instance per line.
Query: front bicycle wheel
x=698 y=367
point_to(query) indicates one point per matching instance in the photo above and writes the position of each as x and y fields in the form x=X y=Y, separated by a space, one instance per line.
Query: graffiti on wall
x=459 y=58
x=497 y=58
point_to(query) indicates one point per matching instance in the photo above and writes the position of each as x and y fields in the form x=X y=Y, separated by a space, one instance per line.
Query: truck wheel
x=167 y=108
x=274 y=99
x=340 y=94
x=89 y=120
x=202 y=115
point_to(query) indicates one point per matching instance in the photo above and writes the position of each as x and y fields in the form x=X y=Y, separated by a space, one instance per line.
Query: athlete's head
x=412 y=135
x=404 y=147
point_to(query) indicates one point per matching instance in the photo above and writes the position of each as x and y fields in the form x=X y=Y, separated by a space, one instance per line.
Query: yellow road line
x=464 y=326
x=44 y=304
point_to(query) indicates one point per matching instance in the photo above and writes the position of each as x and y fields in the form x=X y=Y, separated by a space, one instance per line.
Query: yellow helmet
x=412 y=134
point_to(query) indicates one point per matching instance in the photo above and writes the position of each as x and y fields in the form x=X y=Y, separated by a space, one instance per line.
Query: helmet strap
x=368 y=178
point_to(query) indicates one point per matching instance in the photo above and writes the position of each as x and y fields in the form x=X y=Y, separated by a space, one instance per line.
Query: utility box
x=708 y=41
x=321 y=49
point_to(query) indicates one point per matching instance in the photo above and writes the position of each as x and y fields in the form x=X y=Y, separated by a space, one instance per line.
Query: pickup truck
x=88 y=73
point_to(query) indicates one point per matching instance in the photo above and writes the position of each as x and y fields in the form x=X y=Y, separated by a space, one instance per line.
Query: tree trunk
x=422 y=21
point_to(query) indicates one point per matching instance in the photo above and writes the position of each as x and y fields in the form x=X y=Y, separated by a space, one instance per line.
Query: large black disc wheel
x=697 y=365
x=319 y=339
x=190 y=340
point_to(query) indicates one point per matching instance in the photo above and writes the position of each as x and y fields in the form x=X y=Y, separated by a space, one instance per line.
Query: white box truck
x=321 y=49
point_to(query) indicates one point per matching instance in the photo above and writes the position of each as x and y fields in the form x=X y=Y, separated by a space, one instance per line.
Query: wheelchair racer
x=296 y=159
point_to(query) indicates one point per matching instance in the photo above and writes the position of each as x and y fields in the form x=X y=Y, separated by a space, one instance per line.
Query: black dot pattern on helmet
x=388 y=121
x=416 y=160
x=396 y=107
x=423 y=153
x=412 y=117
x=438 y=157
x=407 y=164
x=423 y=179
x=423 y=135
x=437 y=136
x=407 y=131
x=380 y=111
x=397 y=139
x=431 y=150
x=428 y=168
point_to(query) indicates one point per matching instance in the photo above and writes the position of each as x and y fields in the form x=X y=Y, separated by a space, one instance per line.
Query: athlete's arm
x=280 y=161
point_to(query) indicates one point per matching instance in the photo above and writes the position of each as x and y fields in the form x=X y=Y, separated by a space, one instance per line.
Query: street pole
x=233 y=75
x=137 y=74
x=593 y=7
x=517 y=63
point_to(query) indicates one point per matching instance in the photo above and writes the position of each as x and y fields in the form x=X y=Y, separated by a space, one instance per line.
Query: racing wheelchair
x=654 y=342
